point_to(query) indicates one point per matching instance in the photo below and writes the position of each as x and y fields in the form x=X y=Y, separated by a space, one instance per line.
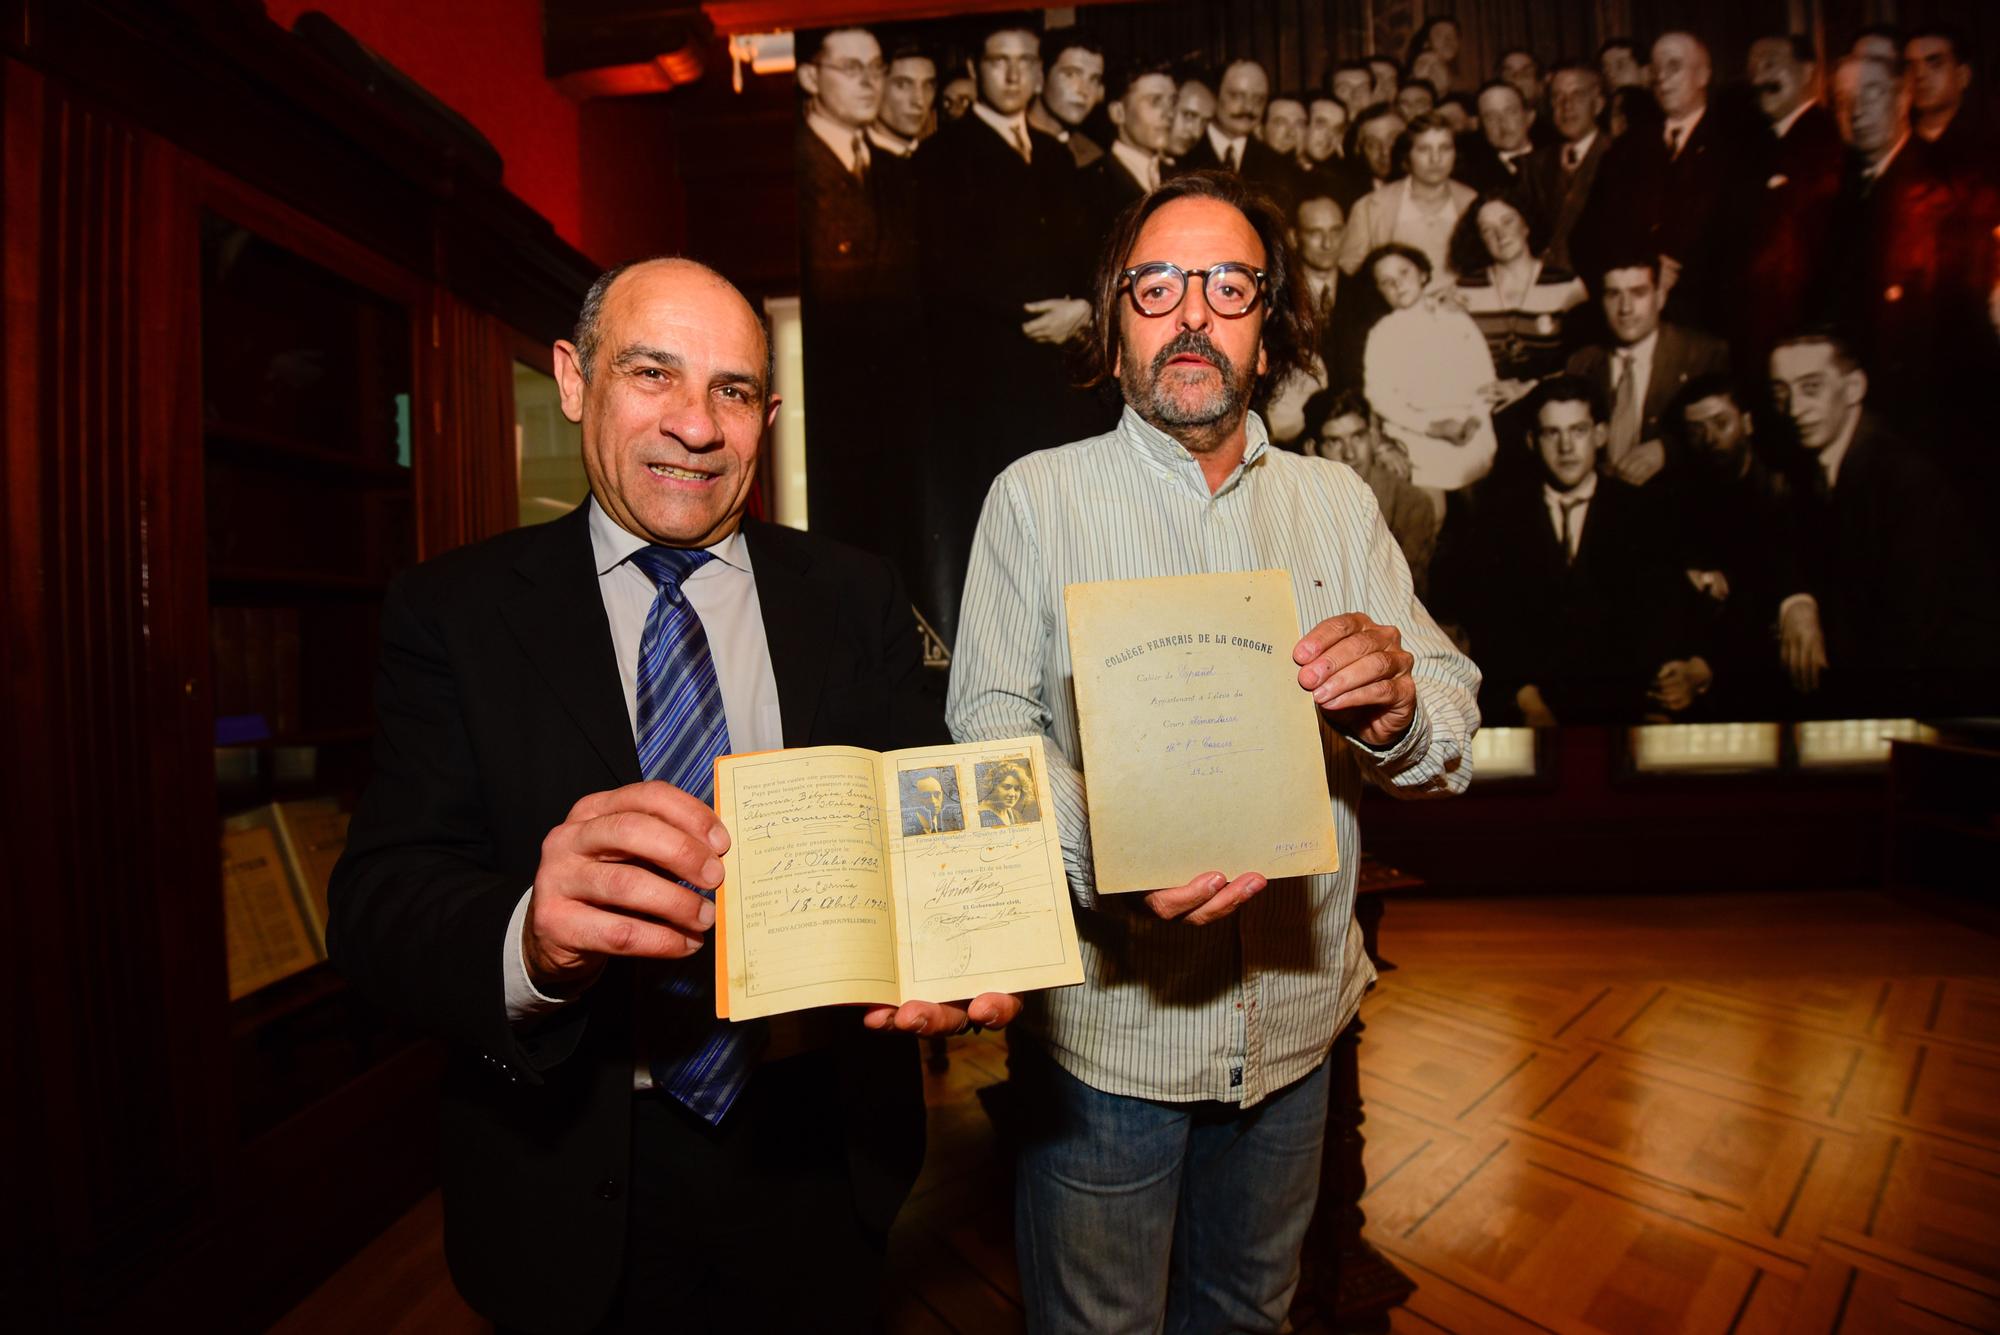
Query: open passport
x=853 y=876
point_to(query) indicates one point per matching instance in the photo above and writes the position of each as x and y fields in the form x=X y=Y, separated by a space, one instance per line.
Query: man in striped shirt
x=1176 y=1101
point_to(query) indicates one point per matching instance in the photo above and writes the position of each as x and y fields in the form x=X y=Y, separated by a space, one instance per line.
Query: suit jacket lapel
x=558 y=617
x=798 y=626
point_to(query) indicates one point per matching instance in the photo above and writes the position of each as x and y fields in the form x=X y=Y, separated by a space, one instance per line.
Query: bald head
x=1681 y=74
x=669 y=377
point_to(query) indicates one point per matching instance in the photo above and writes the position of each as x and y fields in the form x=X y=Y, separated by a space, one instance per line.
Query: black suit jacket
x=1903 y=584
x=1263 y=166
x=1787 y=234
x=499 y=706
x=1691 y=207
x=1560 y=195
x=1590 y=634
x=1107 y=189
x=1481 y=166
x=994 y=232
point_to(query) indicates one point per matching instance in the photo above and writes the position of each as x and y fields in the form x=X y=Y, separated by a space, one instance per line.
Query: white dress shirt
x=723 y=594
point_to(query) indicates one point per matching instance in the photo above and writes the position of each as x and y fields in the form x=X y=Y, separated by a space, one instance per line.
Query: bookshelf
x=258 y=335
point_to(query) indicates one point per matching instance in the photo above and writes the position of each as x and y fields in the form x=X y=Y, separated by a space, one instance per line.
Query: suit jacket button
x=845 y=247
x=610 y=1189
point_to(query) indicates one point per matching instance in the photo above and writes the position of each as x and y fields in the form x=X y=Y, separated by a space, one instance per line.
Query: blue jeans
x=1133 y=1215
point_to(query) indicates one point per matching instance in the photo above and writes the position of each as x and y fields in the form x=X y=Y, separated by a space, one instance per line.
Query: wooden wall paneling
x=125 y=957
x=467 y=489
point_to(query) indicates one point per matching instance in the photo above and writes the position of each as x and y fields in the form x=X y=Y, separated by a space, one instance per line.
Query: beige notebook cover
x=1200 y=751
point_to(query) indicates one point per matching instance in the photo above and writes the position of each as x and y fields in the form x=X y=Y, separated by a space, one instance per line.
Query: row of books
x=276 y=861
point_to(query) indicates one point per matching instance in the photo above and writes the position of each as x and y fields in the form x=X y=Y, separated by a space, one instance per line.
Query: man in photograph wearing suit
x=1894 y=610
x=1581 y=614
x=1642 y=368
x=931 y=813
x=859 y=316
x=1494 y=159
x=908 y=98
x=1142 y=112
x=998 y=221
x=1231 y=143
x=1786 y=239
x=528 y=872
x=1558 y=177
x=1072 y=85
x=1680 y=193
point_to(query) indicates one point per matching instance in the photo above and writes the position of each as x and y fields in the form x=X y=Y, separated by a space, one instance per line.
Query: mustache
x=1769 y=86
x=1198 y=343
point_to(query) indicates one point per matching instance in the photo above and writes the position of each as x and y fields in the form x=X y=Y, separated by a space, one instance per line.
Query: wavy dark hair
x=1289 y=335
x=1468 y=248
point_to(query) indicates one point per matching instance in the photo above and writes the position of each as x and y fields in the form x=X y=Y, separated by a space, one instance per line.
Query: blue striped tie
x=699 y=1060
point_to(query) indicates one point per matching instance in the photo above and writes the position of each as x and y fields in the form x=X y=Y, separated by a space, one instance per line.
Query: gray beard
x=1201 y=426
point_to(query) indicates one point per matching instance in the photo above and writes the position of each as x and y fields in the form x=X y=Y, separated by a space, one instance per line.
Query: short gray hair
x=585 y=335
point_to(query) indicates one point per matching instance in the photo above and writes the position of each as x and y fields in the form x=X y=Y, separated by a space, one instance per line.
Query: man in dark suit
x=1580 y=614
x=1737 y=518
x=858 y=309
x=1894 y=611
x=1787 y=234
x=1004 y=284
x=1940 y=77
x=528 y=872
x=1558 y=177
x=1679 y=194
x=1642 y=368
x=1494 y=158
x=1142 y=112
x=1231 y=143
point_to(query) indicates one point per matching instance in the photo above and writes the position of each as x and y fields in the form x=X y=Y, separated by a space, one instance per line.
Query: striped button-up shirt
x=1238 y=1009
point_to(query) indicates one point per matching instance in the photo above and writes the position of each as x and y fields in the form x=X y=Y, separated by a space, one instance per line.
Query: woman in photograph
x=1429 y=376
x=1421 y=209
x=1519 y=303
x=1005 y=795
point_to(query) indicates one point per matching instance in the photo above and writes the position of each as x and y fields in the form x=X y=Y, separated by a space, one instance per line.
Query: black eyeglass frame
x=1131 y=289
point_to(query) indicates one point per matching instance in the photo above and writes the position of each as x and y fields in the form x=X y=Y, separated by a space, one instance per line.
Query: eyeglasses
x=854 y=69
x=1231 y=290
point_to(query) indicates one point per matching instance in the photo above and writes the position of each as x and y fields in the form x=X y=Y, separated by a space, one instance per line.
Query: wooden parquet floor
x=1720 y=1113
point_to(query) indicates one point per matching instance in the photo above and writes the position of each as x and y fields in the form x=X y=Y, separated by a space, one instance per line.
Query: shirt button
x=610 y=1189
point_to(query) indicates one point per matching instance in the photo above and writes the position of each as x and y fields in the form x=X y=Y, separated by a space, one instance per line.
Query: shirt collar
x=1583 y=491
x=1039 y=118
x=1642 y=351
x=1171 y=456
x=890 y=142
x=1004 y=126
x=1832 y=456
x=1791 y=118
x=1222 y=143
x=838 y=137
x=612 y=545
x=1137 y=161
x=1581 y=148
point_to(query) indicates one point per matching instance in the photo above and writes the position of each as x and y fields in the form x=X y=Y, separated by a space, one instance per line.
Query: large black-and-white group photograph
x=1667 y=356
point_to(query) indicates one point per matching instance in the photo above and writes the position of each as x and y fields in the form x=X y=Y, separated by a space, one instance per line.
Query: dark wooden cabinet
x=256 y=360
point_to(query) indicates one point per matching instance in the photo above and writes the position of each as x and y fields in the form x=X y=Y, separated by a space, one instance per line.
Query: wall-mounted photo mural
x=1668 y=355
